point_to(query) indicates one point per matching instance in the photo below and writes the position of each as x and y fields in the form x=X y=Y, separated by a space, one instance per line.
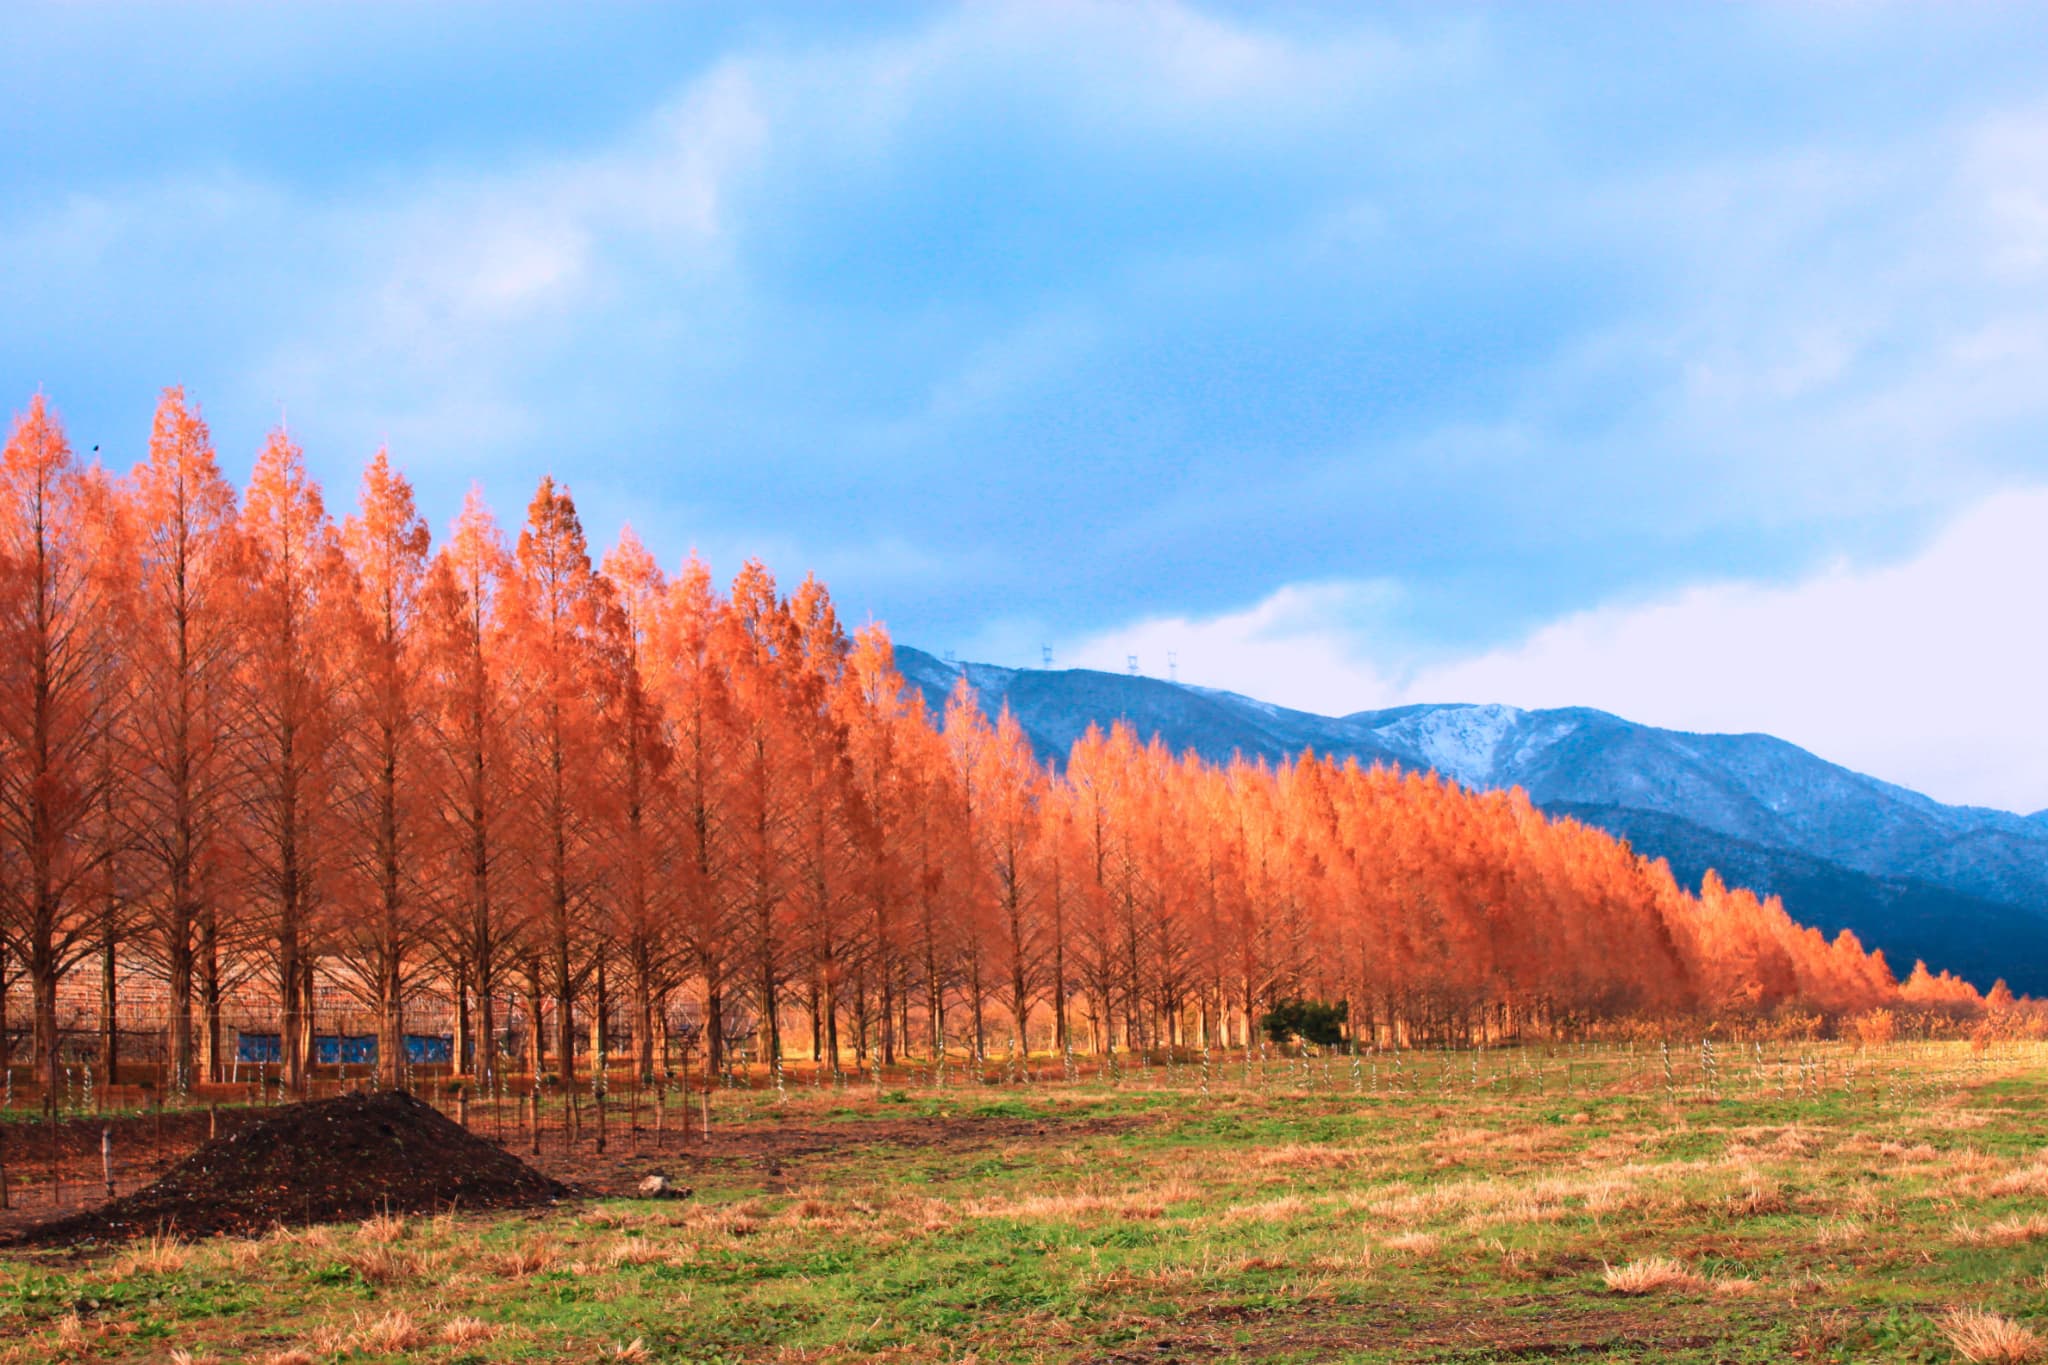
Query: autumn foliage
x=244 y=745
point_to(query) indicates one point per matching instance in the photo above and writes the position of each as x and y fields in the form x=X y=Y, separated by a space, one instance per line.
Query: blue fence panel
x=426 y=1049
x=259 y=1047
x=345 y=1049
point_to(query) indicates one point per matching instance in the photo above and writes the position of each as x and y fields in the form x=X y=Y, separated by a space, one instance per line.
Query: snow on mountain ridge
x=1460 y=742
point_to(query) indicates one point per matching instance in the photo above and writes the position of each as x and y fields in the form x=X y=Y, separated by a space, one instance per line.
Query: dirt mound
x=321 y=1162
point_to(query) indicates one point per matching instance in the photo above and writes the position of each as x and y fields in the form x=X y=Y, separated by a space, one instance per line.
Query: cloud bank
x=1927 y=671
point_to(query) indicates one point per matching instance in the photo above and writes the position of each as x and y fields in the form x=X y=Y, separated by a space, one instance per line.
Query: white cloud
x=1928 y=672
x=1303 y=647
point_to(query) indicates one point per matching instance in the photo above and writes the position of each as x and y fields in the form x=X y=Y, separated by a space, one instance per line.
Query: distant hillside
x=1962 y=887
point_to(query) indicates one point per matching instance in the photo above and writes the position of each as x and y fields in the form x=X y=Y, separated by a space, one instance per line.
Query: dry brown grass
x=1358 y=1262
x=634 y=1350
x=465 y=1331
x=1651 y=1275
x=383 y=1229
x=1516 y=1210
x=1845 y=1232
x=529 y=1258
x=1988 y=1339
x=1760 y=1196
x=634 y=1251
x=1415 y=1206
x=2030 y=1180
x=291 y=1356
x=390 y=1334
x=71 y=1333
x=317 y=1237
x=1268 y=1210
x=243 y=1257
x=329 y=1338
x=1307 y=1156
x=2006 y=1232
x=740 y=1225
x=381 y=1264
x=163 y=1254
x=1081 y=1206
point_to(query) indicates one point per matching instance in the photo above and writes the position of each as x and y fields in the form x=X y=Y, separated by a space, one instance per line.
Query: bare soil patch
x=332 y=1160
x=1426 y=1332
x=782 y=1153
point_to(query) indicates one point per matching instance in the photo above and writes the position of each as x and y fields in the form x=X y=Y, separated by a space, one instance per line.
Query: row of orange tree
x=244 y=744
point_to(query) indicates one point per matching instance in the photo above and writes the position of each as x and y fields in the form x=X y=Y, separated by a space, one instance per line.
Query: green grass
x=1300 y=1217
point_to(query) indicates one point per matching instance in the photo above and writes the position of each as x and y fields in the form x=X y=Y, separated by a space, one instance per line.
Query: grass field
x=1821 y=1204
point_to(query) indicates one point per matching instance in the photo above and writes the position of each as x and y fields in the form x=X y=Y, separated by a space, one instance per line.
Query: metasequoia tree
x=110 y=829
x=640 y=903
x=1058 y=859
x=558 y=611
x=386 y=544
x=1003 y=785
x=184 y=647
x=469 y=774
x=933 y=833
x=290 y=673
x=763 y=655
x=1097 y=768
x=57 y=703
x=1217 y=904
x=876 y=709
x=972 y=894
x=830 y=820
x=693 y=698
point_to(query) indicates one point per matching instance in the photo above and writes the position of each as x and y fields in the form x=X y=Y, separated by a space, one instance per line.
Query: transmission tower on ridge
x=1045 y=656
x=1173 y=665
x=1131 y=664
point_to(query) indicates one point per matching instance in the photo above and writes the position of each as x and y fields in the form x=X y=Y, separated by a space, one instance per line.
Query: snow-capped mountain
x=1963 y=887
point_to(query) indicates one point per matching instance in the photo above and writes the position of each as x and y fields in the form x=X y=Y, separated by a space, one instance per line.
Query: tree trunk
x=486 y=1030
x=565 y=1011
x=302 y=1045
x=180 y=1023
x=600 y=1012
x=43 y=996
x=110 y=1028
x=536 y=1031
x=714 y=1027
x=288 y=998
x=210 y=993
x=390 y=1016
x=643 y=1011
x=1060 y=1038
x=887 y=1023
x=459 y=1061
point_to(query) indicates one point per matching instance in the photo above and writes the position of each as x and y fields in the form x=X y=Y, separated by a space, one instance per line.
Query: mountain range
x=1960 y=887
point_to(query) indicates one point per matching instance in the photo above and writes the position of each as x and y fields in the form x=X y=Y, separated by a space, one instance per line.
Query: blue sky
x=1653 y=357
